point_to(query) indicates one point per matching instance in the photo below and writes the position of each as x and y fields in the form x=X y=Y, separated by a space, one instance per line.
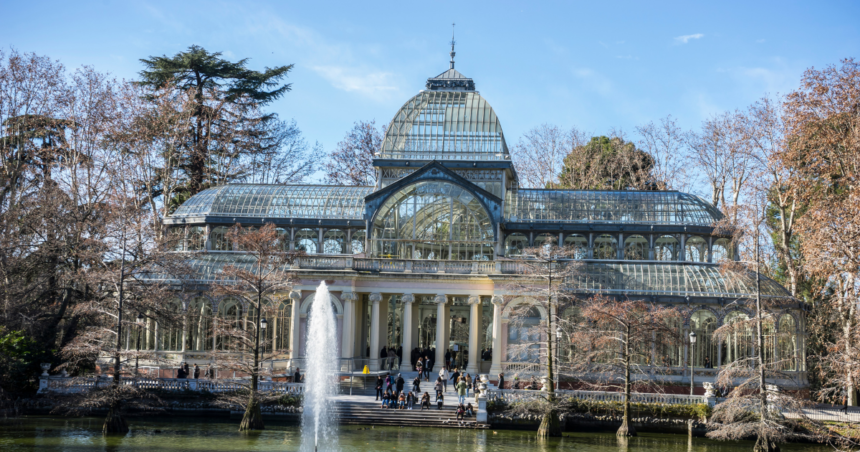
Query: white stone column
x=348 y=330
x=496 y=366
x=407 y=299
x=474 y=336
x=441 y=320
x=295 y=320
x=375 y=298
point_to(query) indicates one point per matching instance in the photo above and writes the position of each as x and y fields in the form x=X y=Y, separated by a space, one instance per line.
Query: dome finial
x=452 y=45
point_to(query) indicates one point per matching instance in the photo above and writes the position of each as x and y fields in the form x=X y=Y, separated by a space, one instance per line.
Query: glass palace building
x=422 y=258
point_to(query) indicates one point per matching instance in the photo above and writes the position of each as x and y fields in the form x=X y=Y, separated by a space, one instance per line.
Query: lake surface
x=164 y=434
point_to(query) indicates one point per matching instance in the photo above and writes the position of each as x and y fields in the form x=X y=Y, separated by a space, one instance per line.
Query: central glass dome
x=445 y=125
x=432 y=220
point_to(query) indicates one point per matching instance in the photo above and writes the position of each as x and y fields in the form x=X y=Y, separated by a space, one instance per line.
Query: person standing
x=210 y=372
x=448 y=358
x=438 y=388
x=455 y=378
x=297 y=378
x=443 y=374
x=501 y=381
x=388 y=383
x=468 y=384
x=196 y=372
x=392 y=357
x=379 y=387
x=461 y=390
x=399 y=383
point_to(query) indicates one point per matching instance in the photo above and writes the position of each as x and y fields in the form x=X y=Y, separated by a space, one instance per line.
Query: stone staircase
x=370 y=413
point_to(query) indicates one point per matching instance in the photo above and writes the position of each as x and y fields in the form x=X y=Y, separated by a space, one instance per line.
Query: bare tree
x=708 y=156
x=612 y=343
x=287 y=158
x=822 y=120
x=664 y=141
x=261 y=277
x=352 y=162
x=542 y=274
x=539 y=155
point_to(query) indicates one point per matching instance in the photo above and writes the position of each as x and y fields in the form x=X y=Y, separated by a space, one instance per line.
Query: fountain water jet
x=321 y=373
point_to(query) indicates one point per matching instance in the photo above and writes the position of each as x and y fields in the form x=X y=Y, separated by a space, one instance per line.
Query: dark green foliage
x=607 y=163
x=20 y=357
x=226 y=119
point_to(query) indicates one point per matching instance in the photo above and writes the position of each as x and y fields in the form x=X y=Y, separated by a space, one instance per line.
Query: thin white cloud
x=760 y=41
x=687 y=38
x=351 y=79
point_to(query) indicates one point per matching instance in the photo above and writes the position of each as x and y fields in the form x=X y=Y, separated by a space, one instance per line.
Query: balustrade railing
x=75 y=385
x=515 y=395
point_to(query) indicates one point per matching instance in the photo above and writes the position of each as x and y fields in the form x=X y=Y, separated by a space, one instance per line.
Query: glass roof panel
x=278 y=201
x=623 y=206
x=631 y=278
x=445 y=125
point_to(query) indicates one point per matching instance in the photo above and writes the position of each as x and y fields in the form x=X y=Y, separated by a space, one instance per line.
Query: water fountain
x=318 y=423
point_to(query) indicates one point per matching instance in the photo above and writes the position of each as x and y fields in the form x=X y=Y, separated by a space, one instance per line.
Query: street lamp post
x=263 y=325
x=692 y=355
x=139 y=321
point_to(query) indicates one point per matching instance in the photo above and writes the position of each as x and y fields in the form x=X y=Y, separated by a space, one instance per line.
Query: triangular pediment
x=433 y=171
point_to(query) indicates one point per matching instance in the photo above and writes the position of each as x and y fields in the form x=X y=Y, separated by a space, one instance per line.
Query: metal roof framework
x=278 y=201
x=610 y=207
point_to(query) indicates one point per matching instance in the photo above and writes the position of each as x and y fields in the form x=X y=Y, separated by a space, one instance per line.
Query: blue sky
x=595 y=66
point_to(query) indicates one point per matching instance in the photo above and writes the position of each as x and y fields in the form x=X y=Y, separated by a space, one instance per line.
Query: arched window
x=230 y=322
x=605 y=247
x=220 y=241
x=515 y=244
x=546 y=240
x=667 y=248
x=738 y=343
x=334 y=242
x=670 y=348
x=721 y=250
x=170 y=330
x=283 y=323
x=176 y=235
x=578 y=246
x=704 y=323
x=199 y=321
x=787 y=343
x=283 y=239
x=196 y=240
x=432 y=220
x=635 y=248
x=358 y=242
x=524 y=338
x=696 y=249
x=307 y=241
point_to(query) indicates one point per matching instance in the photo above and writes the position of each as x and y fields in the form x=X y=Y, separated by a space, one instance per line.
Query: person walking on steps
x=416 y=385
x=443 y=374
x=461 y=390
x=379 y=384
x=455 y=377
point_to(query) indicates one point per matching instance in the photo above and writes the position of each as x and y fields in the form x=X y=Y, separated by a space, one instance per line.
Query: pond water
x=51 y=434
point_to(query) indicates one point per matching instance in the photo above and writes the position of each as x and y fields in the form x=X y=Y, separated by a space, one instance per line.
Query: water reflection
x=181 y=434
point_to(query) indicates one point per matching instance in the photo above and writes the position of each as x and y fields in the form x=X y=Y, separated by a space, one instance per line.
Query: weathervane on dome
x=452 y=45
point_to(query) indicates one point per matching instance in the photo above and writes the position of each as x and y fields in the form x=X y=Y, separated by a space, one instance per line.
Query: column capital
x=407 y=298
x=348 y=296
x=440 y=298
x=375 y=297
x=295 y=295
x=498 y=300
x=474 y=299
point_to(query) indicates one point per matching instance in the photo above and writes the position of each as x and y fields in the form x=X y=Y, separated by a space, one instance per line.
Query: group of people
x=390 y=357
x=390 y=390
x=185 y=372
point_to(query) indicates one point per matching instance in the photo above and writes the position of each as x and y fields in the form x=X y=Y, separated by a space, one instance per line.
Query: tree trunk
x=114 y=422
x=253 y=418
x=626 y=428
x=550 y=426
x=763 y=444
